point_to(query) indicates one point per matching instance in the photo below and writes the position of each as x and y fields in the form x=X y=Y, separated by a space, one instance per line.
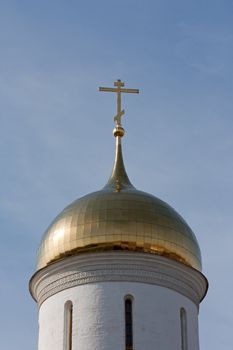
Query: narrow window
x=128 y=324
x=183 y=324
x=68 y=325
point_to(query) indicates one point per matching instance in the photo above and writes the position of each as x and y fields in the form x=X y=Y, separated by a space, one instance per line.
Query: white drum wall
x=98 y=317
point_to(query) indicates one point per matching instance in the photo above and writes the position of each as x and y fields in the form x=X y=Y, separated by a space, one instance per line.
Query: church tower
x=118 y=269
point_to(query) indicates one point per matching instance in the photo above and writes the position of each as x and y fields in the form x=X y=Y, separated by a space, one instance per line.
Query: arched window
x=183 y=325
x=128 y=324
x=68 y=325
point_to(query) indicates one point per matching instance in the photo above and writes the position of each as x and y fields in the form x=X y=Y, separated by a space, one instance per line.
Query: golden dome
x=119 y=217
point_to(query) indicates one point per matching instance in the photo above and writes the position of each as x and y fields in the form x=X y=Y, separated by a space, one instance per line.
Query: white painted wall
x=98 y=317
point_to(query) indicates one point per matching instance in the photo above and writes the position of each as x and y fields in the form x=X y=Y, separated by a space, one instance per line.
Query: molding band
x=118 y=267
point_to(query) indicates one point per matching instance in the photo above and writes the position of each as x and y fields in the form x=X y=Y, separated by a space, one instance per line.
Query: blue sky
x=56 y=139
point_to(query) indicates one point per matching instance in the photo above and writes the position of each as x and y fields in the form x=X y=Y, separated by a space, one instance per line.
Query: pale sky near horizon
x=56 y=140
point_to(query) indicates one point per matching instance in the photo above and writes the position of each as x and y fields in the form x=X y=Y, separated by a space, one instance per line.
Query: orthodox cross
x=119 y=89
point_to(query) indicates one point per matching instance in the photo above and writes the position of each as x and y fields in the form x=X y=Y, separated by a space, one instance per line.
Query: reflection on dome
x=130 y=220
x=119 y=217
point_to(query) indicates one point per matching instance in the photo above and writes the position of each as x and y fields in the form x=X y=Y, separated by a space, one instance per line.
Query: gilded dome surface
x=119 y=217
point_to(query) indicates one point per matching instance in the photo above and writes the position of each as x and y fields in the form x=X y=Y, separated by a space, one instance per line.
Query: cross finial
x=119 y=88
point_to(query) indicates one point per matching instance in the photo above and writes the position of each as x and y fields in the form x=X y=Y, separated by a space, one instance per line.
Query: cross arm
x=107 y=89
x=132 y=91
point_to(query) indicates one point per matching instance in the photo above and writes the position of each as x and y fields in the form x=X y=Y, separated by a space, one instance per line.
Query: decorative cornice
x=118 y=267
